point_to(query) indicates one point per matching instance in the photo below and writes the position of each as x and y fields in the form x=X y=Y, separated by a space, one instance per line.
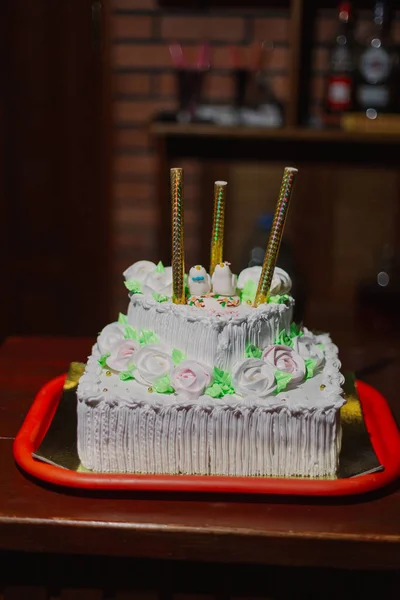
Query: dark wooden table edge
x=204 y=545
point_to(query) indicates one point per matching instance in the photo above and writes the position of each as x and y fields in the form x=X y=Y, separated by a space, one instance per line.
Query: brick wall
x=143 y=84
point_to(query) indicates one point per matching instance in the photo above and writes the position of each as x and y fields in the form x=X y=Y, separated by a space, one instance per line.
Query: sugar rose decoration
x=254 y=376
x=305 y=346
x=109 y=336
x=284 y=358
x=139 y=270
x=122 y=355
x=158 y=282
x=190 y=378
x=152 y=362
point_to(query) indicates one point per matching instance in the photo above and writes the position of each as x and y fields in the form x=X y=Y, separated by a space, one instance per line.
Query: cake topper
x=217 y=236
x=178 y=259
x=199 y=281
x=275 y=236
x=223 y=280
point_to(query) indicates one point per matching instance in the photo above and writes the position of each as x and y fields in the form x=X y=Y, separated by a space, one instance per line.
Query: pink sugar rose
x=122 y=353
x=191 y=378
x=284 y=358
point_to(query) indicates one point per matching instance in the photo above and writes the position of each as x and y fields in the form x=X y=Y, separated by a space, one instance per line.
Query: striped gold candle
x=178 y=258
x=217 y=236
x=275 y=236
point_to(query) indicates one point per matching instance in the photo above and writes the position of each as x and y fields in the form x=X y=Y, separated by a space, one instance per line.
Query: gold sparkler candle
x=275 y=236
x=217 y=238
x=178 y=259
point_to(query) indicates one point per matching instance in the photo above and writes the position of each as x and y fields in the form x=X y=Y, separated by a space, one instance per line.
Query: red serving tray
x=379 y=421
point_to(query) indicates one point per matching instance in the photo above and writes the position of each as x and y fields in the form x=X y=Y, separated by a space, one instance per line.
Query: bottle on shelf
x=340 y=81
x=377 y=66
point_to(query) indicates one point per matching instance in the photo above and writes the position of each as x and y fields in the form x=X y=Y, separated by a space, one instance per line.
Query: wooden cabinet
x=55 y=140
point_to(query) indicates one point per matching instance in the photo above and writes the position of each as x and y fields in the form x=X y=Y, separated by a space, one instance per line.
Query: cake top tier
x=222 y=293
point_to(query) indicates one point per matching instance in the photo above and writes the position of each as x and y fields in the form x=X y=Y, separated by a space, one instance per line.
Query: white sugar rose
x=122 y=355
x=284 y=358
x=191 y=378
x=152 y=362
x=109 y=336
x=139 y=270
x=281 y=282
x=159 y=283
x=306 y=347
x=254 y=376
x=251 y=273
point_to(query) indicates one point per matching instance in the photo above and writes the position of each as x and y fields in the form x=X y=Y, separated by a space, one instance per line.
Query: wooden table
x=361 y=534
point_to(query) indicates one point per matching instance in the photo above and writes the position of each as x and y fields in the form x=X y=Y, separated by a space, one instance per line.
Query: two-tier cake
x=207 y=374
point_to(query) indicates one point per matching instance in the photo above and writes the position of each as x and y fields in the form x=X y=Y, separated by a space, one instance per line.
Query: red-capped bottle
x=340 y=82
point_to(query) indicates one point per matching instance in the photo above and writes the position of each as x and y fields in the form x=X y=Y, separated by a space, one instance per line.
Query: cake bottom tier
x=200 y=440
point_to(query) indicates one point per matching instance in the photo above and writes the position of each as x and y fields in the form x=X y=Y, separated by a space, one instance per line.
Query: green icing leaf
x=131 y=333
x=103 y=360
x=283 y=339
x=160 y=297
x=310 y=366
x=163 y=385
x=122 y=319
x=295 y=331
x=147 y=337
x=126 y=375
x=249 y=291
x=278 y=299
x=282 y=380
x=321 y=347
x=252 y=351
x=133 y=286
x=160 y=268
x=177 y=356
x=224 y=380
x=214 y=391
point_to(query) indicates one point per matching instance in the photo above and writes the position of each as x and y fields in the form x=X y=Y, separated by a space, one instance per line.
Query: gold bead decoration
x=150 y=389
x=108 y=373
x=322 y=386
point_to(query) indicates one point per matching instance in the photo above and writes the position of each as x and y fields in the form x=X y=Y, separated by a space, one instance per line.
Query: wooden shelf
x=298 y=134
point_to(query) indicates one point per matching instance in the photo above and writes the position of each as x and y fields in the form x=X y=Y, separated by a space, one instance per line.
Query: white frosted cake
x=215 y=386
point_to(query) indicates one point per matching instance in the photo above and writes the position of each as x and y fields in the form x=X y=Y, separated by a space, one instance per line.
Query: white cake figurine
x=199 y=281
x=223 y=280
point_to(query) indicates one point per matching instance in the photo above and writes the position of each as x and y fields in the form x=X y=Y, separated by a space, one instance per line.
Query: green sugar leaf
x=282 y=380
x=133 y=286
x=278 y=299
x=160 y=268
x=249 y=291
x=147 y=337
x=126 y=375
x=252 y=351
x=131 y=333
x=283 y=339
x=310 y=367
x=122 y=319
x=224 y=380
x=214 y=391
x=163 y=385
x=160 y=297
x=177 y=356
x=103 y=360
